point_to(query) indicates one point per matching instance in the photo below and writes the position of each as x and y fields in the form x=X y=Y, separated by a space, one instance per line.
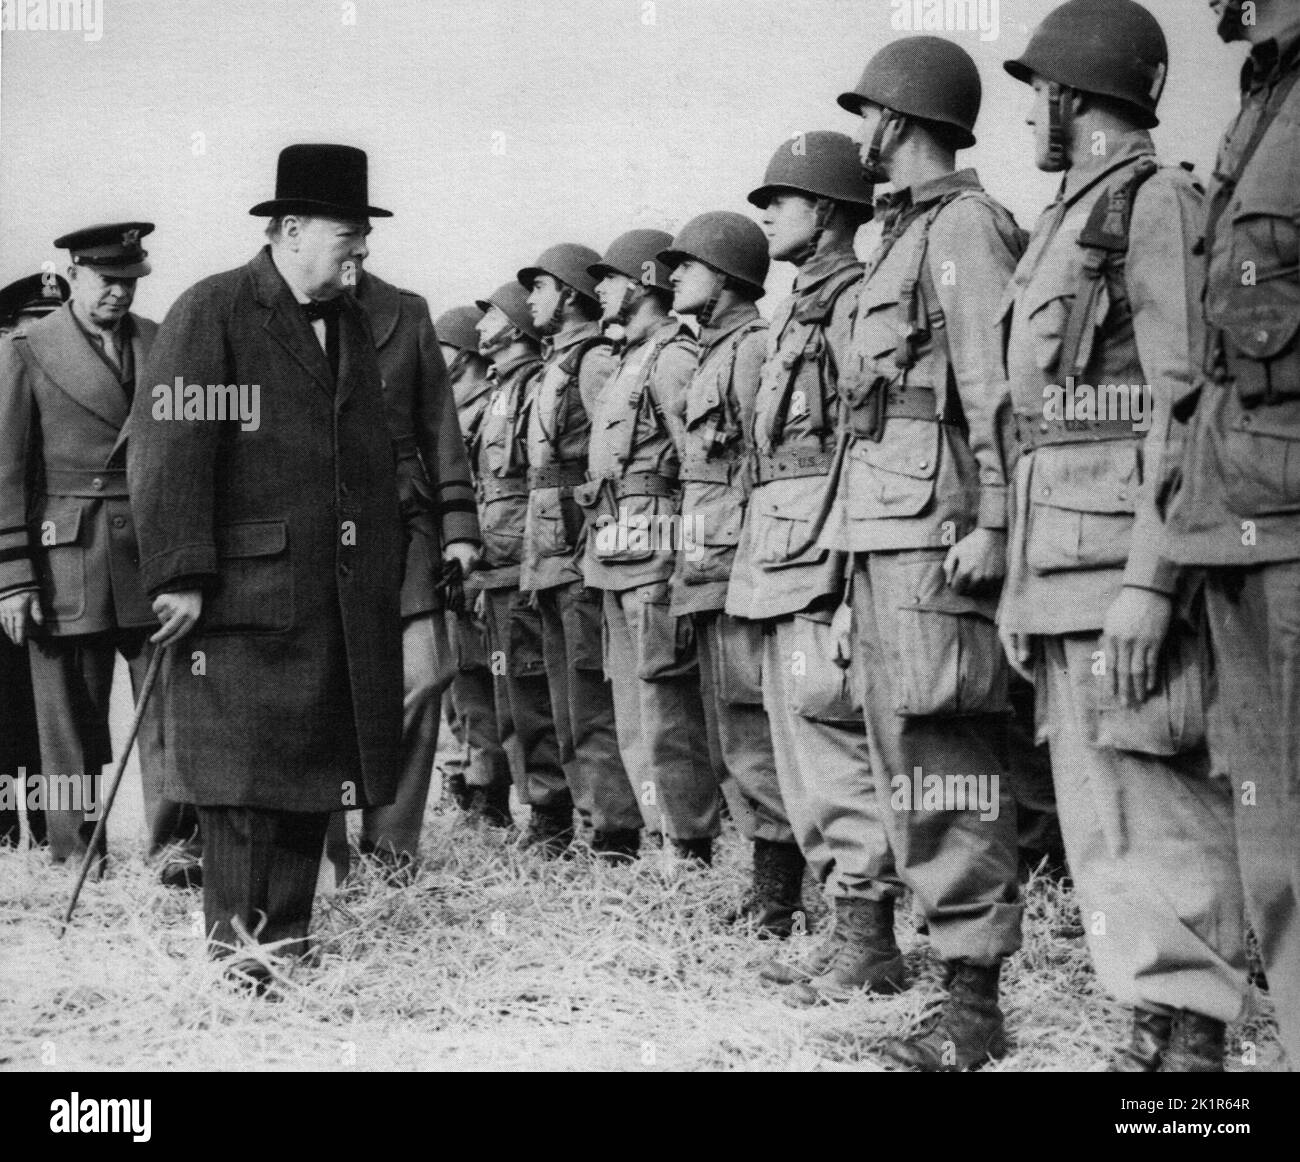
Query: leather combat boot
x=616 y=846
x=1195 y=1044
x=1146 y=1046
x=700 y=850
x=550 y=830
x=776 y=897
x=867 y=959
x=804 y=968
x=966 y=1033
x=492 y=805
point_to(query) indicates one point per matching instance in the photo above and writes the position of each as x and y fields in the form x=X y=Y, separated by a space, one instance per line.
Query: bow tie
x=327 y=310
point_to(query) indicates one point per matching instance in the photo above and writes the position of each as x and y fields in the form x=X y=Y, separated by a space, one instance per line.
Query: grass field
x=494 y=959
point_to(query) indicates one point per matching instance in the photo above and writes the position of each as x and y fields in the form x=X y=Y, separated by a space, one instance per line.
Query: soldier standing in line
x=1235 y=507
x=814 y=201
x=632 y=499
x=477 y=772
x=717 y=414
x=1104 y=296
x=514 y=626
x=562 y=303
x=69 y=563
x=22 y=302
x=921 y=503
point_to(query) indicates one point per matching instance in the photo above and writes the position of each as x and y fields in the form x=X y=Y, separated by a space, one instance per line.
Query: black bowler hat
x=321 y=179
x=37 y=294
x=113 y=248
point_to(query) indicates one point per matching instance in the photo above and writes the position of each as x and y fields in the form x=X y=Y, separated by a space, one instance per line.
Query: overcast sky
x=494 y=127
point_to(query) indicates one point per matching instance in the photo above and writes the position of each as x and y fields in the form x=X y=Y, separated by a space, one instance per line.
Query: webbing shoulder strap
x=731 y=412
x=1104 y=240
x=570 y=366
x=643 y=391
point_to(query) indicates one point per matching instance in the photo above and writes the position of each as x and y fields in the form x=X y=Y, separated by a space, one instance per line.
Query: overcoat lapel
x=286 y=323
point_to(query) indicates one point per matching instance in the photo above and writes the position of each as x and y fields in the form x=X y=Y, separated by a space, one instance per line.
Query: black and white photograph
x=651 y=536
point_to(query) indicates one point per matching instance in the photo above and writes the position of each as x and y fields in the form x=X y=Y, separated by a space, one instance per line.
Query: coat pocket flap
x=910 y=448
x=1264 y=326
x=957 y=604
x=587 y=494
x=58 y=528
x=1099 y=477
x=258 y=538
x=702 y=400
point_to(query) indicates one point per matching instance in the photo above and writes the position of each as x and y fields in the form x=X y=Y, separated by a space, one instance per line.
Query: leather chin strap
x=499 y=340
x=630 y=300
x=704 y=316
x=872 y=163
x=552 y=325
x=821 y=219
x=1060 y=119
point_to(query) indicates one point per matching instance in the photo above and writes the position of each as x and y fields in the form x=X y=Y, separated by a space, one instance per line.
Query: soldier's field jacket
x=925 y=388
x=1238 y=500
x=717 y=412
x=633 y=462
x=796 y=413
x=66 y=528
x=576 y=366
x=1091 y=436
x=498 y=455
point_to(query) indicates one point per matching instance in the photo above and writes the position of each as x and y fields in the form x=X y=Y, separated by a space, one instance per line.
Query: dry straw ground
x=493 y=959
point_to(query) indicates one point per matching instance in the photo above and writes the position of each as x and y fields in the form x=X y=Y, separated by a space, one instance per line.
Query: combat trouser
x=1149 y=838
x=1254 y=722
x=932 y=681
x=822 y=760
x=659 y=715
x=730 y=652
x=584 y=708
x=523 y=697
x=486 y=740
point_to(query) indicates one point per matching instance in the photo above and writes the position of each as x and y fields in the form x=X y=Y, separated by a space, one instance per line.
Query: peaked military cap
x=113 y=249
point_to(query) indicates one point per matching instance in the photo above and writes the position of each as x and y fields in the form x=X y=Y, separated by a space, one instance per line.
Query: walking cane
x=151 y=675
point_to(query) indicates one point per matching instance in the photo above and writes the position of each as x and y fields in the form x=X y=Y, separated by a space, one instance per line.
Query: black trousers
x=20 y=751
x=259 y=870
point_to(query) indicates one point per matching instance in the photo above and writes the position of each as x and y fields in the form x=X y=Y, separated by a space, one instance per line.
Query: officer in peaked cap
x=31 y=298
x=69 y=578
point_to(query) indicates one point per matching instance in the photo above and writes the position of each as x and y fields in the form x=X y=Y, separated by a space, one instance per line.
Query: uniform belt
x=700 y=470
x=790 y=464
x=495 y=487
x=405 y=446
x=564 y=475
x=96 y=482
x=1033 y=431
x=907 y=402
x=644 y=484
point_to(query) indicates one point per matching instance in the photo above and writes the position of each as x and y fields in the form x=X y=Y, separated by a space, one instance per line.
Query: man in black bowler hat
x=69 y=578
x=273 y=552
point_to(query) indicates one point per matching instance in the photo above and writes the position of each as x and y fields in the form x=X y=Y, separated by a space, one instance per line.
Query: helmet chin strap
x=871 y=164
x=499 y=340
x=821 y=219
x=1060 y=122
x=555 y=320
x=704 y=316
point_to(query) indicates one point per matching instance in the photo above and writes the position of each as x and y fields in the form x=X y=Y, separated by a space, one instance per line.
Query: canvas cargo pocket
x=581 y=617
x=1082 y=499
x=710 y=532
x=622 y=532
x=895 y=477
x=665 y=645
x=950 y=662
x=502 y=512
x=549 y=530
x=820 y=684
x=61 y=562
x=1262 y=455
x=470 y=641
x=782 y=513
x=524 y=659
x=255 y=586
x=1172 y=720
x=740 y=660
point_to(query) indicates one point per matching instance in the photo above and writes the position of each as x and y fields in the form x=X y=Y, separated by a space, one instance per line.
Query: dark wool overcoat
x=288 y=694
